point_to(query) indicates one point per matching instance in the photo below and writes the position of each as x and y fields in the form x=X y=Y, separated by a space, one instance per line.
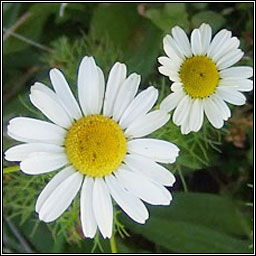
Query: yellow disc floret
x=95 y=145
x=199 y=76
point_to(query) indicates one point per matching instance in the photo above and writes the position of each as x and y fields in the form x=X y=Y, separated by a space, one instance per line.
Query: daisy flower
x=203 y=79
x=97 y=147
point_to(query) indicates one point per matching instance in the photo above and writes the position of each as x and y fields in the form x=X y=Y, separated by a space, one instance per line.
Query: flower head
x=97 y=146
x=203 y=79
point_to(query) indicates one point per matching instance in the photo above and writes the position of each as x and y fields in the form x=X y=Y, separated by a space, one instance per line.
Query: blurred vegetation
x=211 y=209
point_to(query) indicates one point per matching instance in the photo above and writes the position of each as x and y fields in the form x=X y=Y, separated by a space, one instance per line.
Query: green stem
x=113 y=244
x=28 y=41
x=10 y=169
x=182 y=179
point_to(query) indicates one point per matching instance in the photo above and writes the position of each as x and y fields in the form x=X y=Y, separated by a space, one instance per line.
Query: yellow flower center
x=199 y=76
x=95 y=145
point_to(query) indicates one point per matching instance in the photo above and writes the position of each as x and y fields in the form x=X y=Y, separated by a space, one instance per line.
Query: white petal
x=157 y=150
x=176 y=48
x=33 y=130
x=55 y=97
x=64 y=93
x=150 y=169
x=116 y=77
x=125 y=95
x=60 y=198
x=43 y=162
x=147 y=124
x=101 y=88
x=196 y=45
x=184 y=128
x=171 y=53
x=237 y=72
x=213 y=114
x=37 y=86
x=143 y=188
x=131 y=205
x=103 y=208
x=196 y=115
x=244 y=85
x=218 y=40
x=52 y=185
x=229 y=59
x=182 y=40
x=22 y=151
x=50 y=107
x=206 y=36
x=43 y=88
x=172 y=74
x=172 y=100
x=182 y=110
x=142 y=103
x=231 y=95
x=88 y=222
x=165 y=70
x=168 y=63
x=88 y=86
x=224 y=109
x=176 y=86
x=230 y=45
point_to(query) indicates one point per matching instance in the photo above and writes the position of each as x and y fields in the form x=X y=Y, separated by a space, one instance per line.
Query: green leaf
x=32 y=28
x=137 y=38
x=250 y=154
x=244 y=6
x=186 y=159
x=142 y=56
x=170 y=15
x=10 y=13
x=44 y=245
x=219 y=213
x=19 y=60
x=199 y=6
x=119 y=23
x=125 y=245
x=181 y=237
x=196 y=223
x=214 y=19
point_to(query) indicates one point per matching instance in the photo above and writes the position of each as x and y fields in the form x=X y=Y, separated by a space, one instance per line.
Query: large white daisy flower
x=203 y=79
x=96 y=146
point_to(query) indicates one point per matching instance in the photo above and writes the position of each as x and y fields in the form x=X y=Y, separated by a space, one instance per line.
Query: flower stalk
x=113 y=244
x=10 y=169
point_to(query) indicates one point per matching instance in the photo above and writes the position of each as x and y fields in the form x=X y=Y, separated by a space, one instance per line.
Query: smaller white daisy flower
x=203 y=79
x=96 y=147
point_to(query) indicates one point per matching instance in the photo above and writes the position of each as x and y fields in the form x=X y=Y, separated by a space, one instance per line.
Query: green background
x=211 y=210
